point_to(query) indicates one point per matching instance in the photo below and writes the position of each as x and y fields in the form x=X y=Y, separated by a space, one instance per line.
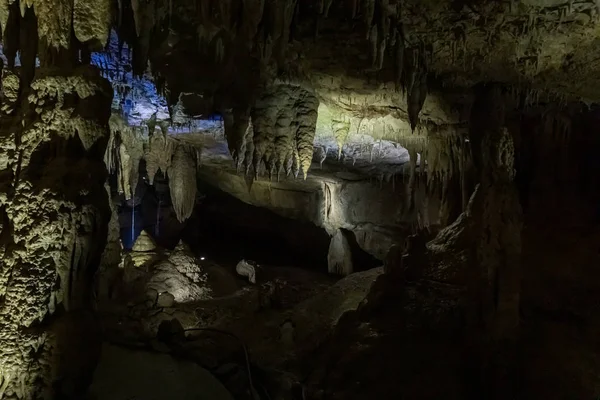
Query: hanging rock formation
x=283 y=122
x=174 y=158
x=182 y=181
x=339 y=258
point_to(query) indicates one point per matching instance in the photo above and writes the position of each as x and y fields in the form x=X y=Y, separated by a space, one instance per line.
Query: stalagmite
x=499 y=244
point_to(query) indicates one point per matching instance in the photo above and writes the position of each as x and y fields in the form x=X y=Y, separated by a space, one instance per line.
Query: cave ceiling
x=360 y=58
x=356 y=79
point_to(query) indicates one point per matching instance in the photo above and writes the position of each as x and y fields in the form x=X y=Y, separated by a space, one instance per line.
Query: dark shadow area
x=226 y=230
x=361 y=260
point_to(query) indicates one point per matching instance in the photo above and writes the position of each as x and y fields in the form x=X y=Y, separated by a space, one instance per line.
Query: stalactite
x=416 y=83
x=151 y=123
x=355 y=4
x=54 y=22
x=137 y=16
x=249 y=153
x=158 y=156
x=411 y=69
x=283 y=138
x=91 y=21
x=306 y=108
x=341 y=130
x=236 y=125
x=368 y=15
x=182 y=181
x=416 y=99
x=263 y=120
x=4 y=13
x=131 y=151
x=373 y=42
x=295 y=160
x=282 y=116
x=399 y=60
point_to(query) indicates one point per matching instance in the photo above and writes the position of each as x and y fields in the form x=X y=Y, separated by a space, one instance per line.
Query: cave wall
x=53 y=132
x=55 y=229
x=379 y=214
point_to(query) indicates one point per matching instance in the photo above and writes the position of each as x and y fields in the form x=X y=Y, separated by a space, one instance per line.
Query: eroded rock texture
x=55 y=211
x=55 y=228
x=172 y=157
x=452 y=303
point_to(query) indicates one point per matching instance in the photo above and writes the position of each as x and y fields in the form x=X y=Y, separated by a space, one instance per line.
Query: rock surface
x=339 y=258
x=125 y=374
x=144 y=243
x=181 y=276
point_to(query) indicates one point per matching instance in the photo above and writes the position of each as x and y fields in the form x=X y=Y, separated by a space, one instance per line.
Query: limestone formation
x=339 y=258
x=175 y=159
x=158 y=155
x=182 y=181
x=283 y=122
x=446 y=116
x=243 y=268
x=144 y=243
x=181 y=276
x=58 y=225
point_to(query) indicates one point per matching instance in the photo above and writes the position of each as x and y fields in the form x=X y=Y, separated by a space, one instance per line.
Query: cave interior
x=299 y=199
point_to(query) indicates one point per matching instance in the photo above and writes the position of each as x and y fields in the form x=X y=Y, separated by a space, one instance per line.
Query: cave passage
x=299 y=200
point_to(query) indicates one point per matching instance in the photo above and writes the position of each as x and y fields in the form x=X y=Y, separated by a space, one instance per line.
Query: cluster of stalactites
x=442 y=156
x=56 y=20
x=222 y=25
x=556 y=125
x=445 y=157
x=123 y=154
x=385 y=32
x=174 y=159
x=275 y=136
x=228 y=24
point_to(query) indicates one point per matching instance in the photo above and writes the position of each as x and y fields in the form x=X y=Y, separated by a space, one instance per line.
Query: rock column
x=498 y=247
x=53 y=205
x=55 y=215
